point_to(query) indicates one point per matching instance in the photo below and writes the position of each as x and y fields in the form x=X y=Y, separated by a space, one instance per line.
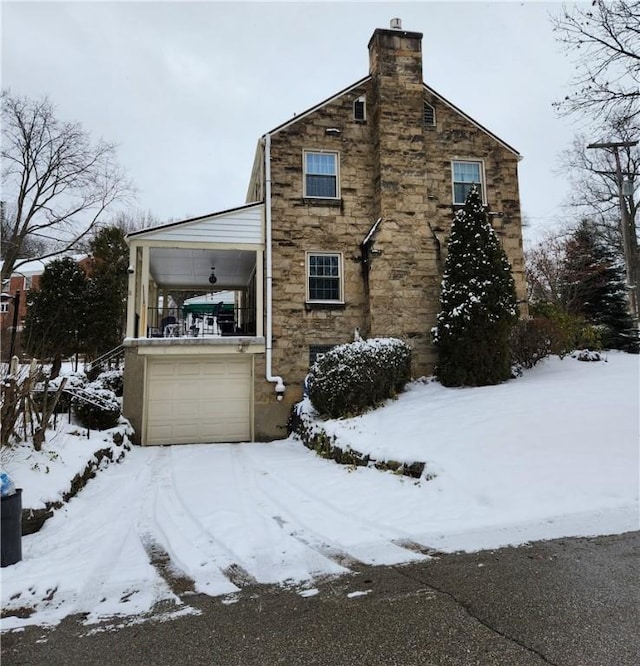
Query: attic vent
x=428 y=115
x=396 y=24
x=360 y=109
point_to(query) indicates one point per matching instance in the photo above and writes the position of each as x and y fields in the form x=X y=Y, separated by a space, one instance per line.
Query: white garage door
x=194 y=400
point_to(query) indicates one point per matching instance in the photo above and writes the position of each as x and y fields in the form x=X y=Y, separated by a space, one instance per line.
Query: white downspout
x=279 y=384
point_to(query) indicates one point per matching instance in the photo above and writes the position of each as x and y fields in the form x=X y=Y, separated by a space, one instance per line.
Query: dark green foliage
x=56 y=312
x=94 y=371
x=350 y=378
x=594 y=289
x=478 y=303
x=102 y=414
x=571 y=331
x=107 y=292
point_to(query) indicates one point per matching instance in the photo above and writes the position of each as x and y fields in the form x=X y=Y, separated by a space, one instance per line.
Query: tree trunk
x=55 y=366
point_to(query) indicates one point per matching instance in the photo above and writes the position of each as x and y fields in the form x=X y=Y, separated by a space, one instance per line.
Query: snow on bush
x=352 y=377
x=113 y=380
x=96 y=407
x=587 y=355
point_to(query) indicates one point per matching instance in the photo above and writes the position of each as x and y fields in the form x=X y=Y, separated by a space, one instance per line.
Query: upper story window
x=465 y=174
x=4 y=307
x=428 y=115
x=27 y=283
x=321 y=174
x=360 y=109
x=324 y=277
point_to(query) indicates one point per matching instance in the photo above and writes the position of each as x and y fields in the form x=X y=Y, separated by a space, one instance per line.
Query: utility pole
x=627 y=225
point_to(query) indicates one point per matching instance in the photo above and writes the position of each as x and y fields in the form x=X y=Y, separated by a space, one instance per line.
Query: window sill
x=315 y=201
x=337 y=305
x=460 y=206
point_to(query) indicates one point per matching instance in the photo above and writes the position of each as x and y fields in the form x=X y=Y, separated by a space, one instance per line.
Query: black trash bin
x=11 y=524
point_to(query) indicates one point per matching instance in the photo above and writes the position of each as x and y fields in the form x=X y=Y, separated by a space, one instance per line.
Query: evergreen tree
x=107 y=292
x=54 y=322
x=594 y=288
x=478 y=303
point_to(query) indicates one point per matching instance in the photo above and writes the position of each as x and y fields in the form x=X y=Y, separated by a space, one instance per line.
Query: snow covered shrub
x=478 y=304
x=587 y=355
x=532 y=340
x=96 y=407
x=352 y=377
x=112 y=380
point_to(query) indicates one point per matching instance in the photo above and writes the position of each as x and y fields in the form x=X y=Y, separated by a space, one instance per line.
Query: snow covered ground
x=553 y=453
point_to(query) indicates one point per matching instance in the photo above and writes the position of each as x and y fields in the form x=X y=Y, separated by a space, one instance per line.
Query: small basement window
x=360 y=109
x=318 y=350
x=428 y=115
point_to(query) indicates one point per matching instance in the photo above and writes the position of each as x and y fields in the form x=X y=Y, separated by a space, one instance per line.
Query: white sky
x=187 y=88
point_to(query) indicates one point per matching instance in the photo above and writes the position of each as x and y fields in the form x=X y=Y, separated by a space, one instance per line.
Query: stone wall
x=391 y=167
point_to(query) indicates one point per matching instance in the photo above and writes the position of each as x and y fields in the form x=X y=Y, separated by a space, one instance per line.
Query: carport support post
x=131 y=292
x=144 y=293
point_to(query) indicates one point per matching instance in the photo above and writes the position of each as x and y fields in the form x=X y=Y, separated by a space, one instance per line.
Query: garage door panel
x=202 y=400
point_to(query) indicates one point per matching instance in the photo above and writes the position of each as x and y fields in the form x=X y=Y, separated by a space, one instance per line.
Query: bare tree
x=543 y=266
x=605 y=39
x=57 y=182
x=594 y=183
x=127 y=221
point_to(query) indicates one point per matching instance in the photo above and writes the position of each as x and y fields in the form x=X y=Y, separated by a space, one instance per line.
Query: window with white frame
x=428 y=115
x=321 y=174
x=4 y=307
x=324 y=277
x=466 y=174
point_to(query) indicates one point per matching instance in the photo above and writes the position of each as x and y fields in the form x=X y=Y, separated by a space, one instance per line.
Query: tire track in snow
x=190 y=545
x=274 y=557
x=108 y=575
x=376 y=543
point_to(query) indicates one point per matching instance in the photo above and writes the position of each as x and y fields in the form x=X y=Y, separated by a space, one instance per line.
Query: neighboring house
x=25 y=277
x=350 y=206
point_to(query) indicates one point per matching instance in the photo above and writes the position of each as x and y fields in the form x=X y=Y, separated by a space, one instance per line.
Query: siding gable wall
x=236 y=227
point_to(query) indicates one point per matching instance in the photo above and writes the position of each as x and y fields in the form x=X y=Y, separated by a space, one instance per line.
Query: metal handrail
x=108 y=356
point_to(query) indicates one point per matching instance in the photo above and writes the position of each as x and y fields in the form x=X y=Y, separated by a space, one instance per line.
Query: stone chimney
x=401 y=278
x=396 y=53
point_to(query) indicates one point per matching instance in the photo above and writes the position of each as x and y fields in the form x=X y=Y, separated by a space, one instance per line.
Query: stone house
x=351 y=203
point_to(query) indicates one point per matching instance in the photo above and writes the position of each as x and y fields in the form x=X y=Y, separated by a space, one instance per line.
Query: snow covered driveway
x=225 y=514
x=552 y=454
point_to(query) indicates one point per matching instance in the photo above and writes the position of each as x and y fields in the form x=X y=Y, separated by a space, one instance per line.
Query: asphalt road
x=569 y=601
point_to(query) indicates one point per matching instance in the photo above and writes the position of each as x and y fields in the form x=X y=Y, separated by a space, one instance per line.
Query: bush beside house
x=353 y=377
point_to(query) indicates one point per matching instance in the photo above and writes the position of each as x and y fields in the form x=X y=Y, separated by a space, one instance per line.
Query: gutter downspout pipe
x=277 y=380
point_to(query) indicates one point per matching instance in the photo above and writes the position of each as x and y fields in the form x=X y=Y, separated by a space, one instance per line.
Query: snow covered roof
x=37 y=266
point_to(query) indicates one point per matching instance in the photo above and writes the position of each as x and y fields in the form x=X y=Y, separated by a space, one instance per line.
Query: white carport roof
x=182 y=254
